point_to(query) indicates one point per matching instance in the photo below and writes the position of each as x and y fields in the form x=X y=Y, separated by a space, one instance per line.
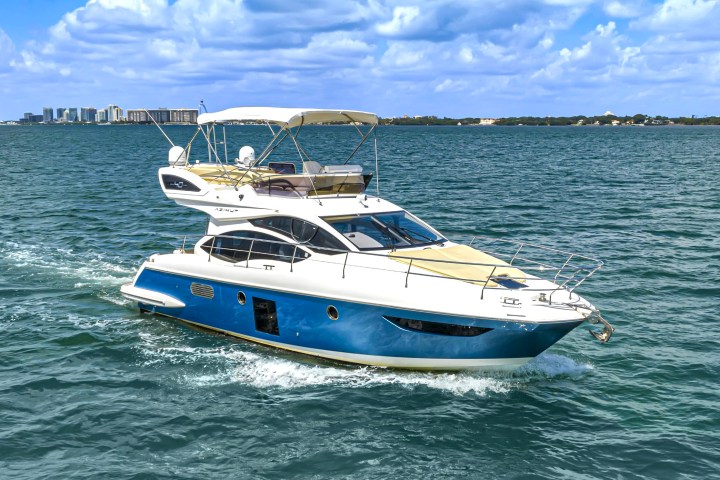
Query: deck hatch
x=437 y=328
x=202 y=290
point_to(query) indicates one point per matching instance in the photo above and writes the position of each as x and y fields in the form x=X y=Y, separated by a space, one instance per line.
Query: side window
x=265 y=316
x=240 y=246
x=231 y=246
x=303 y=232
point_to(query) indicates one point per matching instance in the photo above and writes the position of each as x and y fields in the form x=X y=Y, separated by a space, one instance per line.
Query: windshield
x=383 y=231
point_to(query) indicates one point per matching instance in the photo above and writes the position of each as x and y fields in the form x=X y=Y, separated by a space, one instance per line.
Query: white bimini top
x=287 y=117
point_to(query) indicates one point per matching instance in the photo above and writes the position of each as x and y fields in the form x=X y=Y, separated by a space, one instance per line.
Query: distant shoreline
x=579 y=120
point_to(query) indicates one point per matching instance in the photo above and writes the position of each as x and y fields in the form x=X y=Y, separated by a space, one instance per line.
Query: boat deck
x=272 y=182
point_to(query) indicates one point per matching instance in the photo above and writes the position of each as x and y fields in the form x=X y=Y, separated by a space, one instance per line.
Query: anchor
x=603 y=337
x=593 y=317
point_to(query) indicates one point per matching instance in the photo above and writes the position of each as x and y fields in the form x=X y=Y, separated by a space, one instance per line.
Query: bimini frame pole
x=377 y=171
x=373 y=130
x=159 y=127
x=364 y=137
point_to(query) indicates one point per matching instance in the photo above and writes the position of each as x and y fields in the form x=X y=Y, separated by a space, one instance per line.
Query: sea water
x=90 y=388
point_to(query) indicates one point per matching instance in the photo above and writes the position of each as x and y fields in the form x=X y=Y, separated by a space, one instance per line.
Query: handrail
x=567 y=274
x=482 y=292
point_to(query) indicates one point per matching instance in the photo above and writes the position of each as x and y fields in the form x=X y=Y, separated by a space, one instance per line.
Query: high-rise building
x=159 y=115
x=88 y=114
x=29 y=117
x=47 y=114
x=101 y=116
x=114 y=113
x=72 y=115
x=163 y=115
x=60 y=113
x=184 y=115
x=137 y=116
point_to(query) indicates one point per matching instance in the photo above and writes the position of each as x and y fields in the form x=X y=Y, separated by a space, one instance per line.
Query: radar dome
x=246 y=156
x=177 y=156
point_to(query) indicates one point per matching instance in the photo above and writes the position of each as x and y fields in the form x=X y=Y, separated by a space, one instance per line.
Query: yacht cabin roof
x=287 y=117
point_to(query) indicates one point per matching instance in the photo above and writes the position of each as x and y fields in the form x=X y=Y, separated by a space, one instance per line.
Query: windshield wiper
x=389 y=233
x=408 y=234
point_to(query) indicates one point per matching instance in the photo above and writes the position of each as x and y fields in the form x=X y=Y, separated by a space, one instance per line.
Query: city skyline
x=113 y=113
x=455 y=59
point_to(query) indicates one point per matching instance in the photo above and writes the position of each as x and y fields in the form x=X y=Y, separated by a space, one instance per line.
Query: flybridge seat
x=269 y=181
x=276 y=178
x=312 y=167
x=312 y=184
x=341 y=169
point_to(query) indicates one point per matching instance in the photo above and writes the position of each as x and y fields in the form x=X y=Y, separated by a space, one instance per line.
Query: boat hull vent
x=201 y=290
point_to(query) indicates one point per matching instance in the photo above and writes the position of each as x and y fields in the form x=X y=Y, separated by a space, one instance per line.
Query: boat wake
x=88 y=271
x=86 y=268
x=239 y=364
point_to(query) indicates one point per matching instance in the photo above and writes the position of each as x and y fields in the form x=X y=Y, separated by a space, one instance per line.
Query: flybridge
x=212 y=179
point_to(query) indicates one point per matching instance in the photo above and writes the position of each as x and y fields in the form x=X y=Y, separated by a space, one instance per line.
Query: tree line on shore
x=638 y=119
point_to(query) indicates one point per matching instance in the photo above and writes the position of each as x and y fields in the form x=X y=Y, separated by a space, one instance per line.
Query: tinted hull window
x=266 y=316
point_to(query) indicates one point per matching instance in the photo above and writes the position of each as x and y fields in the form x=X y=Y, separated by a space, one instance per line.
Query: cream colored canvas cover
x=460 y=253
x=286 y=117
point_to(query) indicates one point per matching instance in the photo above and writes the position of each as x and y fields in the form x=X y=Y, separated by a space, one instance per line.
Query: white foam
x=86 y=322
x=84 y=270
x=117 y=300
x=551 y=365
x=264 y=372
x=234 y=364
x=247 y=364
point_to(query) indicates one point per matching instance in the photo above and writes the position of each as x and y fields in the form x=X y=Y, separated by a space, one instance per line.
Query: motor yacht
x=304 y=255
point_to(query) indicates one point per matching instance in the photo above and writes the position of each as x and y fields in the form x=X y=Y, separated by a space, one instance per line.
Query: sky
x=449 y=58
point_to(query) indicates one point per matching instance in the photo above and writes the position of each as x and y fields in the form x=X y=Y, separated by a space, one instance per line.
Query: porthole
x=332 y=313
x=241 y=298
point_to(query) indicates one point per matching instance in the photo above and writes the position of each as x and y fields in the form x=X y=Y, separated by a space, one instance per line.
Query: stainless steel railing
x=571 y=269
x=564 y=269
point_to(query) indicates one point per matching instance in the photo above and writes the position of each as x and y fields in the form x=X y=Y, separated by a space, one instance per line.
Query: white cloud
x=404 y=20
x=400 y=55
x=449 y=85
x=7 y=50
x=546 y=42
x=624 y=9
x=388 y=53
x=340 y=43
x=605 y=30
x=30 y=62
x=683 y=15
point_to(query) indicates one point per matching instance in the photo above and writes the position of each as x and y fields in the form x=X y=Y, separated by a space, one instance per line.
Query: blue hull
x=303 y=323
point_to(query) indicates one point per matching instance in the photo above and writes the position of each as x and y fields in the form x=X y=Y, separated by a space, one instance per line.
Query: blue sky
x=448 y=58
